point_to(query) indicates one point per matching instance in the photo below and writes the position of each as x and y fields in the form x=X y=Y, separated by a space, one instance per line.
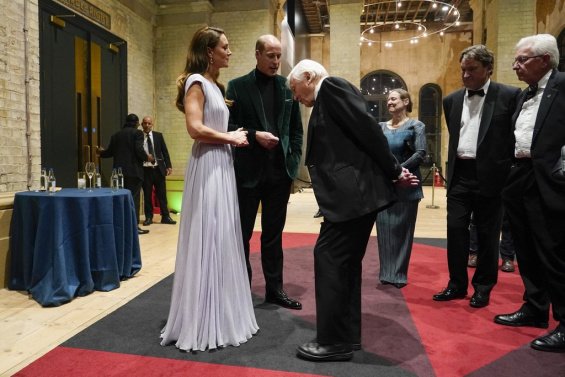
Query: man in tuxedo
x=534 y=197
x=126 y=147
x=155 y=173
x=352 y=172
x=479 y=121
x=261 y=103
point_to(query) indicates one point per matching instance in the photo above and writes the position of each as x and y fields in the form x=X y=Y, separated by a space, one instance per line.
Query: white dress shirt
x=524 y=130
x=146 y=148
x=470 y=123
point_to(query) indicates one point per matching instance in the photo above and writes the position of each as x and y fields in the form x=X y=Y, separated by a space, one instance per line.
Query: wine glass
x=90 y=169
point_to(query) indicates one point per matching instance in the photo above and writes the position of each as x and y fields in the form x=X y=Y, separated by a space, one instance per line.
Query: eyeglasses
x=523 y=59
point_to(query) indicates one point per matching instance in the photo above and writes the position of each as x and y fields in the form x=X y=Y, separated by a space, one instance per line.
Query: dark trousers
x=539 y=240
x=338 y=256
x=152 y=177
x=506 y=241
x=134 y=185
x=273 y=195
x=463 y=199
x=506 y=247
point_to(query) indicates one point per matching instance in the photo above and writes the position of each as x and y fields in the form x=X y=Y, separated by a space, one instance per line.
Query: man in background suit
x=126 y=147
x=479 y=121
x=155 y=173
x=352 y=172
x=263 y=105
x=534 y=197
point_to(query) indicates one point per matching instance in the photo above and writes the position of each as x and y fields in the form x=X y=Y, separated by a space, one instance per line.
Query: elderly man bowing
x=352 y=172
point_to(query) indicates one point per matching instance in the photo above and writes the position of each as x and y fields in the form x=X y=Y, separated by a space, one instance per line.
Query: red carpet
x=459 y=339
x=64 y=361
x=405 y=332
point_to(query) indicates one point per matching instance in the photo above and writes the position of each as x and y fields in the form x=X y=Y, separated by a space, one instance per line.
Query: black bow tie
x=479 y=92
x=532 y=90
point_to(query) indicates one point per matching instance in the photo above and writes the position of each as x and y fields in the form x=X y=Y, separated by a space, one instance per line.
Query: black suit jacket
x=547 y=140
x=347 y=155
x=494 y=144
x=126 y=147
x=161 y=153
x=247 y=111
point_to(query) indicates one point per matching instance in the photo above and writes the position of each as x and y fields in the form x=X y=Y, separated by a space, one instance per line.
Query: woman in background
x=395 y=225
x=211 y=303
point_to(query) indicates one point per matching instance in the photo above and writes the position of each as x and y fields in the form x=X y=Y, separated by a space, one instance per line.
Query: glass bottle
x=52 y=182
x=120 y=178
x=114 y=180
x=43 y=180
x=98 y=178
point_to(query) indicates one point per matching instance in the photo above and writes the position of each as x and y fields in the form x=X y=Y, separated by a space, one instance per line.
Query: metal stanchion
x=433 y=170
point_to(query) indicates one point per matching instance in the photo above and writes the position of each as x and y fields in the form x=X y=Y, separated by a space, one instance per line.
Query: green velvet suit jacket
x=246 y=111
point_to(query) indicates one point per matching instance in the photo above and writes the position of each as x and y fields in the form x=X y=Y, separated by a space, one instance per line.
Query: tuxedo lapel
x=156 y=144
x=456 y=115
x=549 y=95
x=519 y=107
x=488 y=109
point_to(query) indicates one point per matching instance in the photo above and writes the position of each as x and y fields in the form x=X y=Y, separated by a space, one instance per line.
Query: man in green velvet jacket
x=261 y=103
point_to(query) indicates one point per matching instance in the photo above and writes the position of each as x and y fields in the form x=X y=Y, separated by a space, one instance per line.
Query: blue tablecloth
x=72 y=242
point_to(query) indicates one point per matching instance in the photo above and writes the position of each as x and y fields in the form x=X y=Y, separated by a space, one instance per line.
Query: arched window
x=561 y=46
x=375 y=87
x=430 y=115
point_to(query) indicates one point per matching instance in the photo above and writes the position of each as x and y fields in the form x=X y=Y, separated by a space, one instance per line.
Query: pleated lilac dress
x=211 y=303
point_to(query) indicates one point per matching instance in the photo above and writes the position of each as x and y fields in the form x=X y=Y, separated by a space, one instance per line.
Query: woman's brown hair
x=197 y=60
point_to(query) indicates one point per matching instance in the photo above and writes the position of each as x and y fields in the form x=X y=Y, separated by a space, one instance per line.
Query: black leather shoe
x=330 y=352
x=168 y=220
x=281 y=299
x=449 y=294
x=148 y=221
x=479 y=299
x=520 y=318
x=552 y=342
x=142 y=231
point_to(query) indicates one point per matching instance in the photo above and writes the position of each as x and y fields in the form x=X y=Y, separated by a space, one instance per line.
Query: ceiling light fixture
x=406 y=20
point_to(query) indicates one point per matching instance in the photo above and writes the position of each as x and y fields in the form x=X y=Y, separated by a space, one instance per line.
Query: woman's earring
x=211 y=60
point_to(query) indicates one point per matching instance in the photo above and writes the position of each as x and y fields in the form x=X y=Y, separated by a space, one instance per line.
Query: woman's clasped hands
x=239 y=138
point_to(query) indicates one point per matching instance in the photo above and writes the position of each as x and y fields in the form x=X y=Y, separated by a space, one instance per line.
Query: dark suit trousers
x=338 y=257
x=273 y=196
x=539 y=241
x=463 y=199
x=134 y=185
x=152 y=177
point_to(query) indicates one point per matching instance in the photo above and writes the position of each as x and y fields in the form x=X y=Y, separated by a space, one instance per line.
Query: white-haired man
x=352 y=172
x=534 y=197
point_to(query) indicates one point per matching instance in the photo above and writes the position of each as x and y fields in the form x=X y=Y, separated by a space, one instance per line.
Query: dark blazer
x=547 y=140
x=347 y=155
x=247 y=111
x=126 y=147
x=494 y=144
x=161 y=152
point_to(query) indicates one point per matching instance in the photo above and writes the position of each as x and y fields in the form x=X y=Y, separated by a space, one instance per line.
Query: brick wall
x=15 y=116
x=503 y=32
x=344 y=42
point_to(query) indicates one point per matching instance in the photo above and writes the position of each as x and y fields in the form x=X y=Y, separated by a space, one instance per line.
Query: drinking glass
x=81 y=180
x=90 y=169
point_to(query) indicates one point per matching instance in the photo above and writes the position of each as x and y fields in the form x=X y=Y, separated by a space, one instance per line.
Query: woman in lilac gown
x=211 y=303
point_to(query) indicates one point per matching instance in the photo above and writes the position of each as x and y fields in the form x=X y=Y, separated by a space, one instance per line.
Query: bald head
x=268 y=53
